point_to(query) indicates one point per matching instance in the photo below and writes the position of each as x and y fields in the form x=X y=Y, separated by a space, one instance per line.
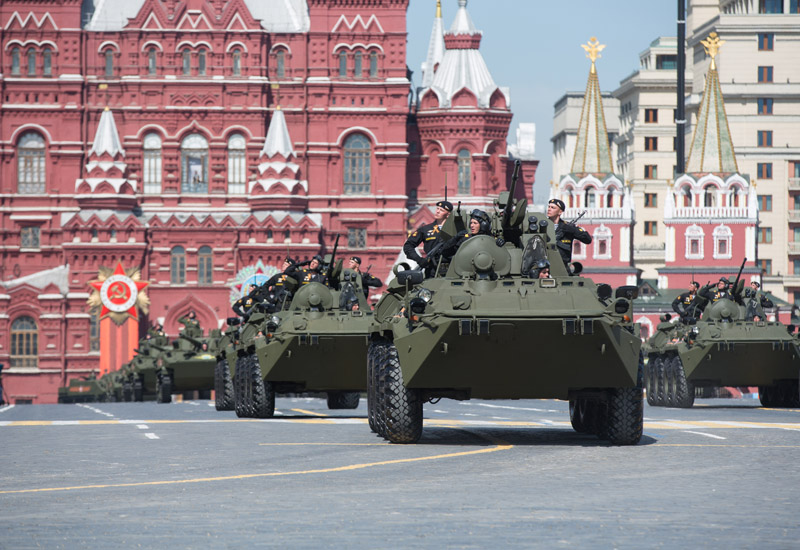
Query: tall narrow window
x=177 y=270
x=764 y=74
x=686 y=192
x=357 y=62
x=151 y=170
x=109 y=62
x=201 y=63
x=373 y=65
x=24 y=343
x=766 y=41
x=651 y=144
x=464 y=172
x=194 y=164
x=31 y=62
x=765 y=138
x=342 y=64
x=47 y=62
x=237 y=165
x=709 y=196
x=694 y=242
x=30 y=164
x=764 y=105
x=237 y=62
x=764 y=170
x=186 y=57
x=650 y=171
x=723 y=237
x=15 y=53
x=94 y=331
x=205 y=266
x=280 y=63
x=151 y=62
x=589 y=198
x=651 y=115
x=357 y=173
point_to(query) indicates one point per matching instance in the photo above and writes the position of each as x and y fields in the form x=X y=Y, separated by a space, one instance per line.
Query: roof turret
x=592 y=151
x=106 y=140
x=435 y=48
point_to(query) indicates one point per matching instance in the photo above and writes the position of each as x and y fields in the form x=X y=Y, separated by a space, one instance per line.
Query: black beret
x=447 y=205
x=356 y=259
x=559 y=203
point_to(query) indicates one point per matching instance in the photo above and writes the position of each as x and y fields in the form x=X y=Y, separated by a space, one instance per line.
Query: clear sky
x=534 y=48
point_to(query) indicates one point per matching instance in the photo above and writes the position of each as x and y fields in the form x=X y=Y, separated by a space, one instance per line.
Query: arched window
x=589 y=198
x=610 y=199
x=237 y=165
x=109 y=62
x=47 y=62
x=15 y=53
x=733 y=196
x=602 y=243
x=194 y=164
x=151 y=62
x=177 y=271
x=201 y=63
x=570 y=198
x=722 y=242
x=187 y=62
x=357 y=155
x=710 y=195
x=205 y=266
x=342 y=64
x=694 y=242
x=357 y=61
x=373 y=64
x=151 y=170
x=31 y=62
x=280 y=63
x=464 y=172
x=237 y=62
x=30 y=164
x=24 y=343
x=686 y=193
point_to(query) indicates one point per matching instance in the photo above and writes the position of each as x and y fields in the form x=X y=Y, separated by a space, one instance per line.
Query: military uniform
x=756 y=303
x=688 y=305
x=427 y=235
x=714 y=294
x=565 y=234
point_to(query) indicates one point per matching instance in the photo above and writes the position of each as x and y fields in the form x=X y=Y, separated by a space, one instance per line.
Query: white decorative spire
x=463 y=65
x=278 y=140
x=435 y=48
x=106 y=140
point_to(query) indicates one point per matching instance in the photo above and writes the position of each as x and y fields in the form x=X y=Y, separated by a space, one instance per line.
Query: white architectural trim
x=693 y=232
x=723 y=233
x=351 y=26
x=152 y=43
x=194 y=45
x=236 y=44
x=103 y=45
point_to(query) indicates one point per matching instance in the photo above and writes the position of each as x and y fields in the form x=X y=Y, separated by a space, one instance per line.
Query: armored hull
x=489 y=328
x=724 y=350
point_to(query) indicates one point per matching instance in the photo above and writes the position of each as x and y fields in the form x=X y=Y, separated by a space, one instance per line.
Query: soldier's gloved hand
x=422 y=263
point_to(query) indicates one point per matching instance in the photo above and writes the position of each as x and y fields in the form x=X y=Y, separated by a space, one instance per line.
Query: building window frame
x=47 y=62
x=342 y=64
x=194 y=164
x=651 y=200
x=30 y=237
x=601 y=241
x=651 y=228
x=202 y=69
x=765 y=203
x=764 y=235
x=152 y=67
x=651 y=116
x=373 y=64
x=358 y=64
x=108 y=58
x=650 y=171
x=280 y=63
x=766 y=41
x=236 y=62
x=24 y=343
x=151 y=164
x=94 y=330
x=31 y=164
x=357 y=238
x=237 y=164
x=764 y=138
x=765 y=74
x=770 y=6
x=177 y=265
x=15 y=61
x=31 y=62
x=186 y=62
x=695 y=237
x=651 y=143
x=464 y=162
x=765 y=266
x=357 y=164
x=205 y=265
x=764 y=170
x=723 y=242
x=764 y=105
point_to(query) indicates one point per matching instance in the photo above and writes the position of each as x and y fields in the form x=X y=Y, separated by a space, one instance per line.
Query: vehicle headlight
x=425 y=294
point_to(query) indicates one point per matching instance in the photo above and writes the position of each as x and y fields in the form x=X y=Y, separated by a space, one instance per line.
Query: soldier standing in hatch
x=312 y=273
x=687 y=305
x=720 y=293
x=565 y=232
x=427 y=235
x=756 y=303
x=367 y=280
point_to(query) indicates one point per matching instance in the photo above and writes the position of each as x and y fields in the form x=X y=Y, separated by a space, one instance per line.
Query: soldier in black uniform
x=756 y=303
x=687 y=305
x=721 y=291
x=565 y=232
x=427 y=235
x=312 y=273
x=367 y=280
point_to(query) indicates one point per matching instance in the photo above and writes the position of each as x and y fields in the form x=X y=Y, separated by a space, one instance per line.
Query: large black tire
x=343 y=399
x=402 y=407
x=683 y=396
x=379 y=349
x=650 y=381
x=239 y=384
x=127 y=392
x=625 y=416
x=371 y=383
x=580 y=415
x=659 y=375
x=164 y=389
x=766 y=395
x=262 y=393
x=223 y=387
x=138 y=391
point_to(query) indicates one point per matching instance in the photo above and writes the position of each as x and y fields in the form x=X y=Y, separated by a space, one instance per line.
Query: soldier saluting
x=427 y=235
x=565 y=232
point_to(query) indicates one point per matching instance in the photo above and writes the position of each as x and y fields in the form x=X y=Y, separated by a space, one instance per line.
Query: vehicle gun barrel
x=509 y=208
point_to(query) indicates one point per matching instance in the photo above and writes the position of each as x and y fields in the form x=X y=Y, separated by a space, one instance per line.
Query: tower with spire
x=711 y=211
x=463 y=119
x=592 y=189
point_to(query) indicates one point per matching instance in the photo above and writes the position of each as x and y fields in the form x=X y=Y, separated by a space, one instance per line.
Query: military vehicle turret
x=188 y=366
x=83 y=390
x=722 y=349
x=317 y=344
x=487 y=327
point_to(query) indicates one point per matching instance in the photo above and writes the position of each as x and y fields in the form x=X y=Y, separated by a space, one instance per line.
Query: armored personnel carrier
x=82 y=390
x=223 y=375
x=317 y=344
x=187 y=367
x=489 y=328
x=722 y=349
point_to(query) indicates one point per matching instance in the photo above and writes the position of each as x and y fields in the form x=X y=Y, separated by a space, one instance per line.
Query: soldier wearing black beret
x=565 y=232
x=427 y=235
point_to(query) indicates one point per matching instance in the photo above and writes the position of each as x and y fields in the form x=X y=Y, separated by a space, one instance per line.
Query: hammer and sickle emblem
x=118 y=291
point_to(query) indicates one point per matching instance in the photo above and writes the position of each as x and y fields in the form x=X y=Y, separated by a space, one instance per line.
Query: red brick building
x=195 y=139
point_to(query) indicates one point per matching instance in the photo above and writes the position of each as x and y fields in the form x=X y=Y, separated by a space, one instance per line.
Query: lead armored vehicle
x=317 y=344
x=722 y=349
x=488 y=329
